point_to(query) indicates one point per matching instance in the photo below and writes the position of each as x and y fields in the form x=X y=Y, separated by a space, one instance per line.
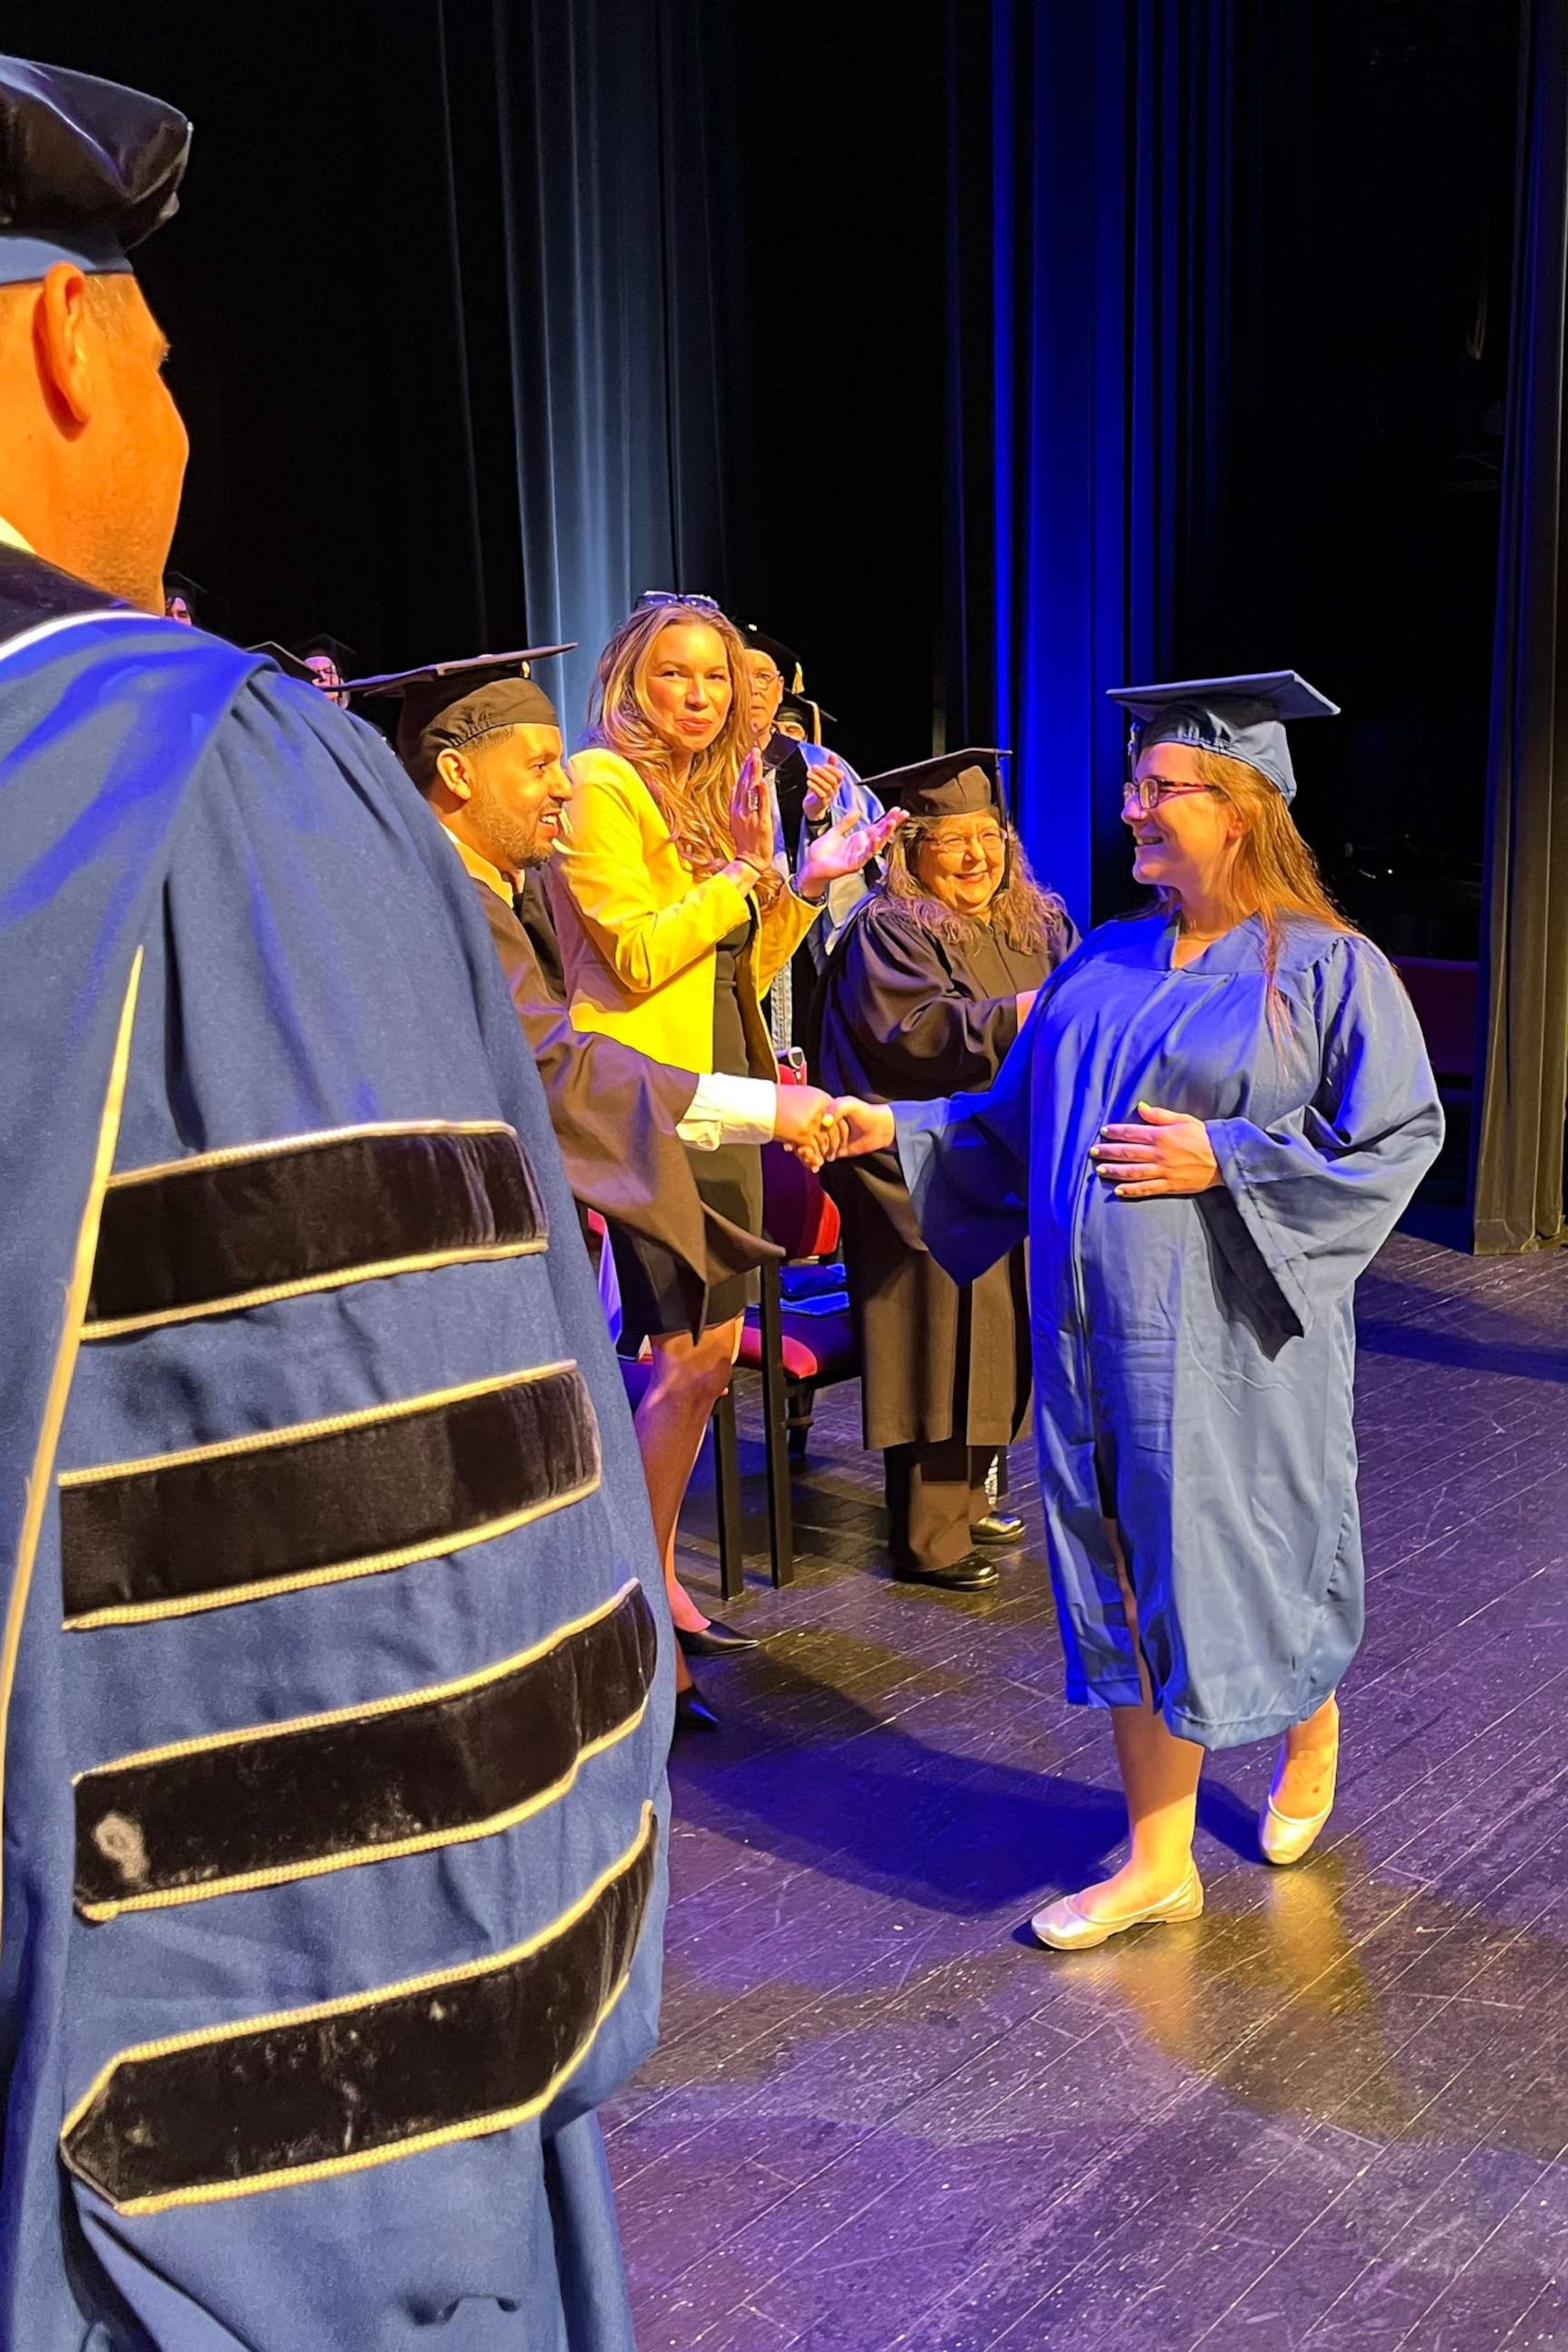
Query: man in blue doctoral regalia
x=334 y=1671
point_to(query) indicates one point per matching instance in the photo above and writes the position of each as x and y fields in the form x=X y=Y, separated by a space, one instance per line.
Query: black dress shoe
x=692 y=1711
x=715 y=1640
x=970 y=1574
x=998 y=1527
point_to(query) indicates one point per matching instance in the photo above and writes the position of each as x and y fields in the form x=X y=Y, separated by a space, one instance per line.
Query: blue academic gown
x=227 y=918
x=1194 y=1357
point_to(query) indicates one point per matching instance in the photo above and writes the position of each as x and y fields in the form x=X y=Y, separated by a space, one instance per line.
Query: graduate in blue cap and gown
x=334 y=1676
x=1209 y=1126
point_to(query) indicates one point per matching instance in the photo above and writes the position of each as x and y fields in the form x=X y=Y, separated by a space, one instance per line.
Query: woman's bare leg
x=1304 y=1776
x=688 y=1376
x=1160 y=1780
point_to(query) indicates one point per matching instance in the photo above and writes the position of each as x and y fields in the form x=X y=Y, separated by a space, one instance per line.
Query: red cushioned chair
x=796 y=1353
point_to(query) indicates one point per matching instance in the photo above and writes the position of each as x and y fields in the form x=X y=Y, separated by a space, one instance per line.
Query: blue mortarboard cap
x=87 y=169
x=1241 y=717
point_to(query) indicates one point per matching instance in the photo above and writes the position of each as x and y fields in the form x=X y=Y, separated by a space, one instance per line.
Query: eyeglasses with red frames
x=1147 y=792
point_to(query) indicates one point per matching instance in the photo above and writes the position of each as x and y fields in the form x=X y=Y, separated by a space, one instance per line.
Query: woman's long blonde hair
x=1274 y=872
x=620 y=718
x=1021 y=914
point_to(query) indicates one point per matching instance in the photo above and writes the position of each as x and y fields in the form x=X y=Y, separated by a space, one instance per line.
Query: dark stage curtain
x=1519 y=1202
x=1099 y=238
x=451 y=299
x=619 y=215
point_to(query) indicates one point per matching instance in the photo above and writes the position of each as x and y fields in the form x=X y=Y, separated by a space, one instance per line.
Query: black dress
x=728 y=1180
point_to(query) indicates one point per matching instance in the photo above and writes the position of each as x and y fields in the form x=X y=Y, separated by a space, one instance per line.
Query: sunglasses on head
x=652 y=598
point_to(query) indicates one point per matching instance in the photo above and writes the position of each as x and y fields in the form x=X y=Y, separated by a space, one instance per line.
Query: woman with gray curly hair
x=922 y=997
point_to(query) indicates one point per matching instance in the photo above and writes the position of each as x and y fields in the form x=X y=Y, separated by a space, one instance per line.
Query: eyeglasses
x=762 y=680
x=1150 y=791
x=950 y=847
x=652 y=599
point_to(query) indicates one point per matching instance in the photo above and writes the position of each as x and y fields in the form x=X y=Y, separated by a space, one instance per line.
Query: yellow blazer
x=639 y=929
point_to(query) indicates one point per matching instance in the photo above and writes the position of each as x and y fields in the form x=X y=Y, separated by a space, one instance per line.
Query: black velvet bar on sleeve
x=332 y=1499
x=464 y=1762
x=228 y=1229
x=303 y=2096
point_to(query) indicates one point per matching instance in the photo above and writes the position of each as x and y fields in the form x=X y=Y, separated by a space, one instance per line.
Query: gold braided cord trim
x=299 y=1432
x=341 y=1280
x=75 y=1304
x=431 y=1695
x=471 y=2127
x=234 y=1154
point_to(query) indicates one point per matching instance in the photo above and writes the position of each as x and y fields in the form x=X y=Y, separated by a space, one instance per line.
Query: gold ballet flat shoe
x=1285 y=1839
x=1065 y=1928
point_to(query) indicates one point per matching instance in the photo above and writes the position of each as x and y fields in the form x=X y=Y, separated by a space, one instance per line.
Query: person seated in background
x=482 y=742
x=923 y=997
x=812 y=788
x=180 y=594
x=330 y=662
x=673 y=920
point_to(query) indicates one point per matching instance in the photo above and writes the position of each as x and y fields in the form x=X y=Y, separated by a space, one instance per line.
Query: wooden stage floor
x=1332 y=2114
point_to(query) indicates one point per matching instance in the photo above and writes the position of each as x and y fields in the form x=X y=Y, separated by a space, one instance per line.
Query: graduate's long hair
x=1022 y=914
x=620 y=719
x=1274 y=872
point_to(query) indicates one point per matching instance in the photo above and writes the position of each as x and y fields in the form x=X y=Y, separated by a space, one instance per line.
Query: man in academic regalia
x=923 y=997
x=482 y=741
x=335 y=1665
x=812 y=788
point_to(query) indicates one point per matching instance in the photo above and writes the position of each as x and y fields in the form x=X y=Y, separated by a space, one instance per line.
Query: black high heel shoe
x=714 y=1641
x=692 y=1711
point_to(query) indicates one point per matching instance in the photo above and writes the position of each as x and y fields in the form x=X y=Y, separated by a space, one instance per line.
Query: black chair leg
x=802 y=1411
x=781 y=1517
x=727 y=1498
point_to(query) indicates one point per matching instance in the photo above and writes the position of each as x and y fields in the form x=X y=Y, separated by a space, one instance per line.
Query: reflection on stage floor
x=1333 y=2112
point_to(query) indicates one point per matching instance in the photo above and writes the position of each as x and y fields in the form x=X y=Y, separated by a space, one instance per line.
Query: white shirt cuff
x=727 y=1109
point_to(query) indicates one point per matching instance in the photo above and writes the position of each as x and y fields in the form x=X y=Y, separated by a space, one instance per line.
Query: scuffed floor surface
x=1332 y=2114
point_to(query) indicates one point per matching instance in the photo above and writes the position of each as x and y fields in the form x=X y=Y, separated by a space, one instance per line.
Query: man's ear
x=64 y=345
x=452 y=772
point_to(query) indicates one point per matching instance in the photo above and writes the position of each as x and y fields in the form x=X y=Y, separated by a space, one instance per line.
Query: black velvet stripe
x=352 y=1788
x=196 y=1239
x=329 y=2090
x=193 y=1532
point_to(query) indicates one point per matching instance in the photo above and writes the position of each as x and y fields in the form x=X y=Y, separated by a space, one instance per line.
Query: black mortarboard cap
x=1238 y=717
x=323 y=642
x=784 y=658
x=807 y=714
x=87 y=169
x=957 y=783
x=290 y=664
x=448 y=704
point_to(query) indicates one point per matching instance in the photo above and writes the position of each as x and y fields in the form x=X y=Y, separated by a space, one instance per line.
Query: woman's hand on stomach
x=1168 y=1153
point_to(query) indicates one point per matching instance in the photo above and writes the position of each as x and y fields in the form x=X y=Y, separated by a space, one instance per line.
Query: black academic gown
x=614 y=1113
x=907 y=1015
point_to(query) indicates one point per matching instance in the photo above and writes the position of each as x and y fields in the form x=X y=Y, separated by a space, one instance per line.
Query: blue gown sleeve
x=1316 y=1196
x=966 y=1164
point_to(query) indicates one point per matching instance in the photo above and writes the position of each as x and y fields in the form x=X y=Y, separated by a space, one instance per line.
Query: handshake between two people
x=817 y=1127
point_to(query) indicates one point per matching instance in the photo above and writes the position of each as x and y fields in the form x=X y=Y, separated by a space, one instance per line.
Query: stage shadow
x=1460 y=1350
x=806 y=1773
